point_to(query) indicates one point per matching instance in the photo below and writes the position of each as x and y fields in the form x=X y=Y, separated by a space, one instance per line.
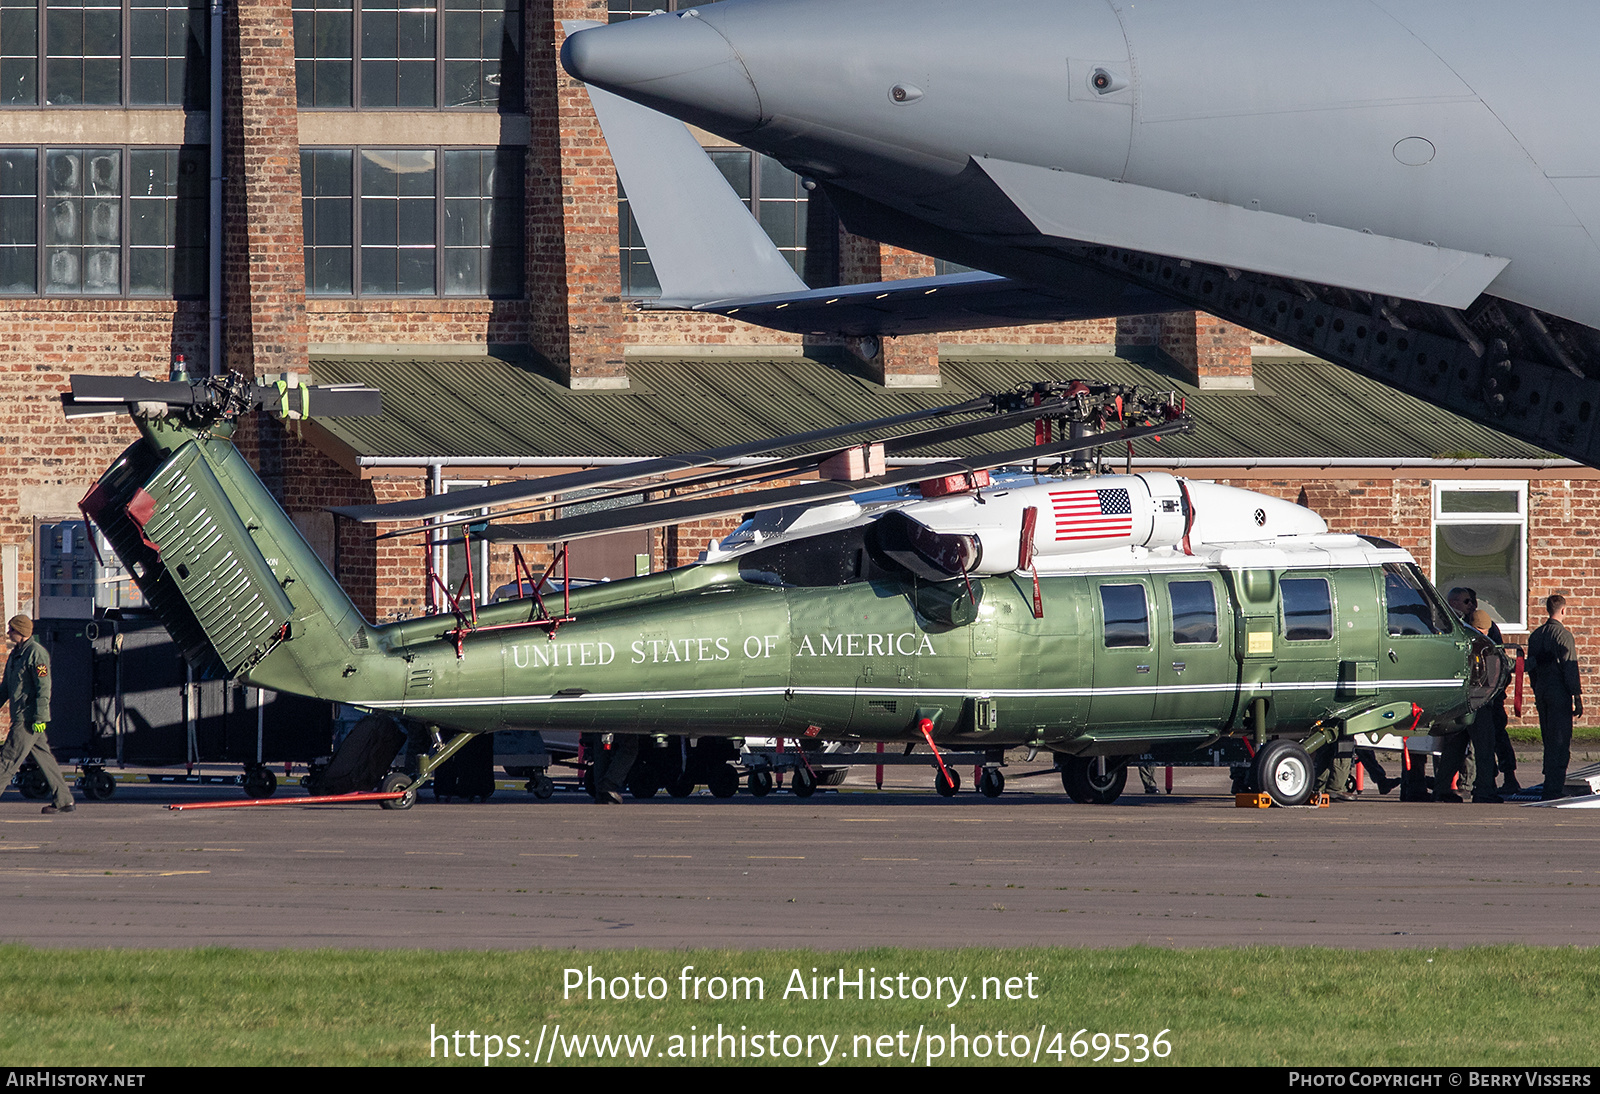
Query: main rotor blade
x=678 y=510
x=800 y=464
x=508 y=493
x=226 y=394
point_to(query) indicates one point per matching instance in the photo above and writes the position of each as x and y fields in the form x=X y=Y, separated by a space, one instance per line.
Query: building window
x=620 y=11
x=771 y=192
x=377 y=224
x=103 y=221
x=103 y=53
x=1480 y=541
x=398 y=55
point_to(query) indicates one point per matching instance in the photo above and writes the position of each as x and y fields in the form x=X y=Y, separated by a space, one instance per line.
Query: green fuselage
x=701 y=651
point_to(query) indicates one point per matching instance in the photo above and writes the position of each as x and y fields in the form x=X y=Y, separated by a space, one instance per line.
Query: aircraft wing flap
x=950 y=302
x=1141 y=218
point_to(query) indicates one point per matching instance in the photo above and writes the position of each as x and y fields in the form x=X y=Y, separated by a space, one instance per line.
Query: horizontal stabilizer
x=1141 y=218
x=924 y=305
x=680 y=510
x=703 y=242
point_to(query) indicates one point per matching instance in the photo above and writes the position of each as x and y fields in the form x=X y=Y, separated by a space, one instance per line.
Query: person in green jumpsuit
x=1557 y=691
x=27 y=692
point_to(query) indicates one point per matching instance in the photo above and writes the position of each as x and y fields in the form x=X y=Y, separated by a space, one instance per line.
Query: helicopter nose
x=677 y=63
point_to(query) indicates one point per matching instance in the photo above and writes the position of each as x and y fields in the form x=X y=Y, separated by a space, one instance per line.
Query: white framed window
x=1480 y=542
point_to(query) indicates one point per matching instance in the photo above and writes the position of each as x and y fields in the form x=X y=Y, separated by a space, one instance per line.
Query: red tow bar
x=324 y=799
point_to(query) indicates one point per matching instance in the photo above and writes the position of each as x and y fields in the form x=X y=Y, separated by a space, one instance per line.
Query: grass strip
x=1503 y=1005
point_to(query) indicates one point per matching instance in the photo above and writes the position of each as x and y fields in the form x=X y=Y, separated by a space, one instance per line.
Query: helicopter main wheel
x=97 y=785
x=682 y=786
x=32 y=785
x=991 y=783
x=540 y=786
x=396 y=780
x=1284 y=770
x=1083 y=782
x=644 y=784
x=946 y=787
x=759 y=783
x=259 y=783
x=804 y=783
x=723 y=781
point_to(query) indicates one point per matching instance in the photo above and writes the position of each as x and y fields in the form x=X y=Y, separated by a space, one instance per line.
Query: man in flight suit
x=27 y=691
x=1557 y=690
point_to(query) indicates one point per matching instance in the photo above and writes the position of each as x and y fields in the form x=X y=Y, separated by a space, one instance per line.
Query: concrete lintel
x=404 y=127
x=1285 y=353
x=90 y=127
x=965 y=350
x=724 y=351
x=913 y=379
x=397 y=349
x=1226 y=383
x=598 y=383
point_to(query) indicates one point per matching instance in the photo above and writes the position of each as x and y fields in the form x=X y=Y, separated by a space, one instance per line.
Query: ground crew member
x=1557 y=691
x=1476 y=767
x=27 y=691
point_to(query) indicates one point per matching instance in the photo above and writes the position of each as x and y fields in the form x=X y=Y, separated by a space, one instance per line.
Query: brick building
x=418 y=196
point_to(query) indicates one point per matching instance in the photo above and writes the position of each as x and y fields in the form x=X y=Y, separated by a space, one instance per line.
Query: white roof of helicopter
x=1233 y=529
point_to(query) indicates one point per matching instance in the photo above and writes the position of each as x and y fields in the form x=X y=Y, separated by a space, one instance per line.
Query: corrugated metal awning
x=488 y=408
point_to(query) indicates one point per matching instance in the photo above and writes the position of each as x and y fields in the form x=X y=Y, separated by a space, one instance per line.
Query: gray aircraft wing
x=711 y=255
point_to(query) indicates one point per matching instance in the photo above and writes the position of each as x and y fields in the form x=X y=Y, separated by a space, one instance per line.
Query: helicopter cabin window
x=1307 y=609
x=825 y=561
x=1414 y=609
x=1480 y=542
x=1126 y=615
x=1194 y=612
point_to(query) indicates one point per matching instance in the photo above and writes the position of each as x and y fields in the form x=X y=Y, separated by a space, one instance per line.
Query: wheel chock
x=1264 y=801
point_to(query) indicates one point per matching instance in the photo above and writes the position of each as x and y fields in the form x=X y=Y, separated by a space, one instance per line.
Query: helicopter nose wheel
x=759 y=783
x=1284 y=770
x=946 y=787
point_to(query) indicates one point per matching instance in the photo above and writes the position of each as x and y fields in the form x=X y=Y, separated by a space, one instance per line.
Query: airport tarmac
x=841 y=869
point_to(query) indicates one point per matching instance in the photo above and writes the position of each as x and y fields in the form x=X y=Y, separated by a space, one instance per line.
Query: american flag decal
x=1091 y=514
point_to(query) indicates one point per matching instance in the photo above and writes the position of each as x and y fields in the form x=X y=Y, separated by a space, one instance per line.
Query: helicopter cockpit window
x=1307 y=609
x=1414 y=609
x=1194 y=612
x=1126 y=615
